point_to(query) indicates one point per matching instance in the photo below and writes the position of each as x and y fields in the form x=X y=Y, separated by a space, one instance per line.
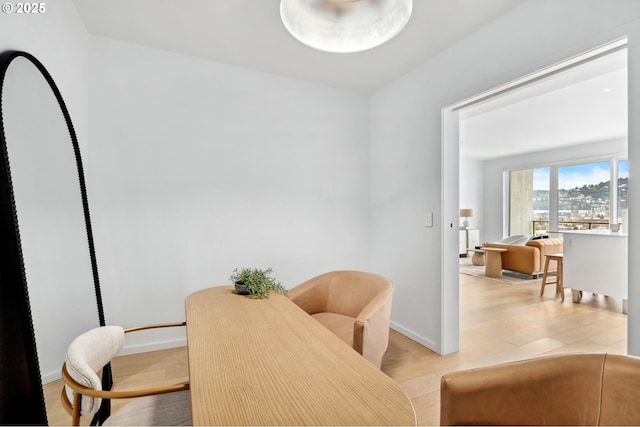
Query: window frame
x=613 y=161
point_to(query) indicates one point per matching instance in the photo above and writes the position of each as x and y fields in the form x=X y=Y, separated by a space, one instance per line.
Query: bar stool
x=558 y=274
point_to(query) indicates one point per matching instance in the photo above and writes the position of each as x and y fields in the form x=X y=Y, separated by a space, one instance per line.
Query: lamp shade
x=466 y=213
x=344 y=25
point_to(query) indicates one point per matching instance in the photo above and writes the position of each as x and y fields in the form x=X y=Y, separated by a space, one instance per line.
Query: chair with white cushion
x=83 y=393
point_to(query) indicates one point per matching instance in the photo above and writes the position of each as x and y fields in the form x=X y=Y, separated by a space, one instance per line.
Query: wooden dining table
x=267 y=362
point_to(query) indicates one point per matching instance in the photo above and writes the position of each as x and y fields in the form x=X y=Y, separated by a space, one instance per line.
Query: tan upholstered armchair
x=354 y=305
x=579 y=389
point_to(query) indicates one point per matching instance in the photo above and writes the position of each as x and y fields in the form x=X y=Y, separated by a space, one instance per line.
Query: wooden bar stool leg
x=559 y=280
x=544 y=275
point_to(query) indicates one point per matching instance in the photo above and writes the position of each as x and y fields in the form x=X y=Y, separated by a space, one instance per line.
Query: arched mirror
x=49 y=284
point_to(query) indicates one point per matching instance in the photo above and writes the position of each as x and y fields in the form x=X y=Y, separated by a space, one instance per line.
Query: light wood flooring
x=499 y=322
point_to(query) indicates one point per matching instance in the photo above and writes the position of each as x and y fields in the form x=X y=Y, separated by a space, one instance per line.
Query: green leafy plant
x=256 y=283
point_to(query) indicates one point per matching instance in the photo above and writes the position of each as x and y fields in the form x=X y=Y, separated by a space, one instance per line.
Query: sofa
x=575 y=389
x=529 y=256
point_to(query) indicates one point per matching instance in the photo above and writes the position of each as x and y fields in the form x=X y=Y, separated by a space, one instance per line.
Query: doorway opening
x=503 y=137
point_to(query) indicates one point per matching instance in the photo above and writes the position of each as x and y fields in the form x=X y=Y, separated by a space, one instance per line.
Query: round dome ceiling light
x=345 y=26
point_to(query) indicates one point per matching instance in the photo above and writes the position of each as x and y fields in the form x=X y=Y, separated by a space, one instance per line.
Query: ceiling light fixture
x=344 y=26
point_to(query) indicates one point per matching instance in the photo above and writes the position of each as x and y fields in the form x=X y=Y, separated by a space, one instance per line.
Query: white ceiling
x=569 y=109
x=249 y=33
x=585 y=104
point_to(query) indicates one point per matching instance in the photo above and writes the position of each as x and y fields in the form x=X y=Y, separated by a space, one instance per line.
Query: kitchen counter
x=596 y=261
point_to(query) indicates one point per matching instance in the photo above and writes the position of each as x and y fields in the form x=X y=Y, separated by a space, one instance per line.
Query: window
x=540 y=201
x=581 y=199
x=584 y=196
x=623 y=177
x=528 y=201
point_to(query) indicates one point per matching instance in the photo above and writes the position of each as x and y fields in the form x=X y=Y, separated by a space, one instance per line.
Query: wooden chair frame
x=74 y=408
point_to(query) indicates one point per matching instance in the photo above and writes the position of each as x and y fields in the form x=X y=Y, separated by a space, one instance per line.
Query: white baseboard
x=160 y=345
x=417 y=338
x=52 y=376
x=155 y=346
x=164 y=345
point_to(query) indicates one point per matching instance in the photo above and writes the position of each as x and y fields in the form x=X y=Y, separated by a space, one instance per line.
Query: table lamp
x=466 y=214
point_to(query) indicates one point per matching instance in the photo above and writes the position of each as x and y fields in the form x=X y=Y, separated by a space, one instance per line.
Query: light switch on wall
x=428 y=219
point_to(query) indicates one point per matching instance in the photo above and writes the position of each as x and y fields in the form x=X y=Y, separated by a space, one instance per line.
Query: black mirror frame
x=21 y=393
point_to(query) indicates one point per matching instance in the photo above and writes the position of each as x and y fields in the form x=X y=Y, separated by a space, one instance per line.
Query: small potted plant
x=256 y=283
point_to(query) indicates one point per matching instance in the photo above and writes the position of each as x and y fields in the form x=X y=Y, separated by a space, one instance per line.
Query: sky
x=578 y=175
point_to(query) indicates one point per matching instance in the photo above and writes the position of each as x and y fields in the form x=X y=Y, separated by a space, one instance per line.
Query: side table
x=493 y=262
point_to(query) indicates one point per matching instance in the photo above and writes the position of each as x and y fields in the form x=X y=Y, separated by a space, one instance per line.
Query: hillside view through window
x=584 y=199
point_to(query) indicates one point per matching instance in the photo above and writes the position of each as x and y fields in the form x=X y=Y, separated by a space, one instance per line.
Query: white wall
x=198 y=168
x=472 y=191
x=493 y=174
x=406 y=150
x=63 y=305
x=59 y=39
x=173 y=214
